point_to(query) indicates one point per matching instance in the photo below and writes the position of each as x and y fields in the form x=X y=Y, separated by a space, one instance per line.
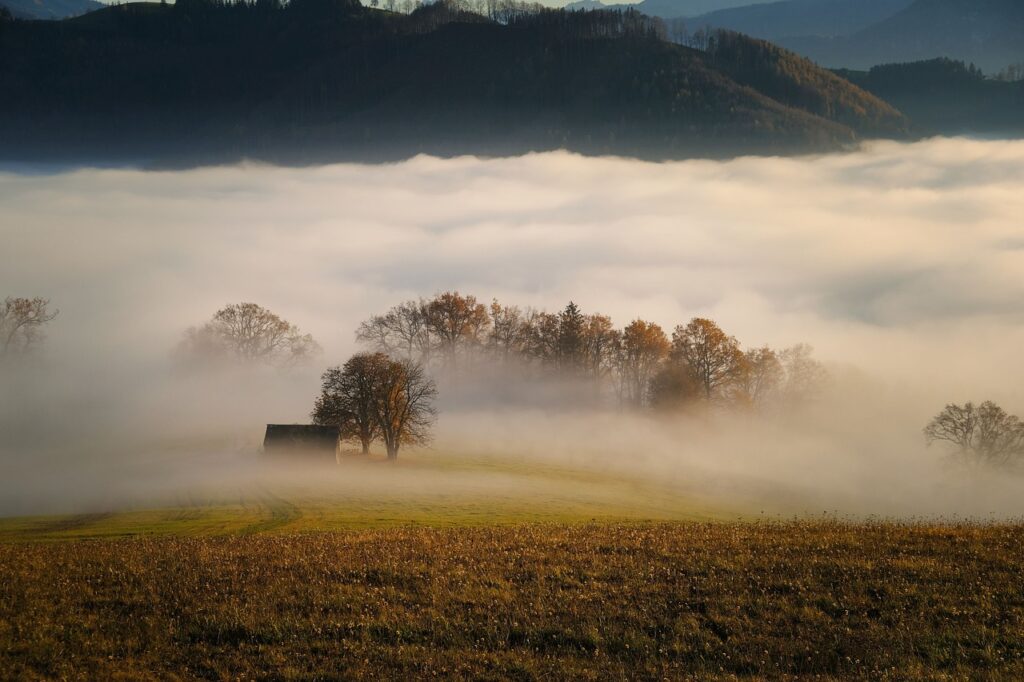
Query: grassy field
x=423 y=489
x=448 y=567
x=817 y=600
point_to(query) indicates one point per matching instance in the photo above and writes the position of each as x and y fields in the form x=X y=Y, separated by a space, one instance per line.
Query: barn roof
x=301 y=436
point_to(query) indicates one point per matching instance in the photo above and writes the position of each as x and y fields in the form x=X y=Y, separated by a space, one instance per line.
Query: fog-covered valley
x=899 y=263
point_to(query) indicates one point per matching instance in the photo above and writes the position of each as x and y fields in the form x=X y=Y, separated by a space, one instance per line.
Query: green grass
x=452 y=567
x=422 y=489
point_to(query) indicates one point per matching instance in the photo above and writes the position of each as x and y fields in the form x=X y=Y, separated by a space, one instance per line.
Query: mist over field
x=899 y=263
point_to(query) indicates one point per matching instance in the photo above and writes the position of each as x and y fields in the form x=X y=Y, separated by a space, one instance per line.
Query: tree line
x=387 y=394
x=639 y=365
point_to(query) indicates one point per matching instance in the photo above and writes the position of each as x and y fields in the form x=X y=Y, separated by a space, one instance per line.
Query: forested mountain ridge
x=330 y=80
x=943 y=96
x=793 y=81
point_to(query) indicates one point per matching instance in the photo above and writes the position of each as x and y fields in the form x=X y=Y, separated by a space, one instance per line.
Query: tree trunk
x=392 y=451
x=366 y=447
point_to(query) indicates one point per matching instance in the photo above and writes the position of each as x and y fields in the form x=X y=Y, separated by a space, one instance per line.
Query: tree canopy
x=374 y=396
x=22 y=324
x=250 y=334
x=984 y=433
x=635 y=366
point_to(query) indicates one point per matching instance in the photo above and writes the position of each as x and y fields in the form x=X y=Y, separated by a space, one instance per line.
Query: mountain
x=823 y=18
x=988 y=33
x=796 y=82
x=324 y=80
x=947 y=97
x=666 y=9
x=49 y=9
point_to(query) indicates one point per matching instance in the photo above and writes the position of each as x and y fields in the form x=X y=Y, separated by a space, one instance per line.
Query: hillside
x=945 y=96
x=330 y=80
x=49 y=9
x=987 y=33
x=796 y=82
x=823 y=18
x=667 y=9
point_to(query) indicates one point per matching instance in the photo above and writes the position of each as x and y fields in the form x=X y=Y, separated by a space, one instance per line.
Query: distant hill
x=823 y=18
x=330 y=80
x=666 y=9
x=988 y=33
x=49 y=9
x=946 y=96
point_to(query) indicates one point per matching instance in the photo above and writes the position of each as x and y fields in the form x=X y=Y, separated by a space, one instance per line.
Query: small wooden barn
x=304 y=440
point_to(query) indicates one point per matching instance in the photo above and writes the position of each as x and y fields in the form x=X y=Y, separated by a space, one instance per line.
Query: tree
x=403 y=404
x=456 y=322
x=761 y=376
x=984 y=432
x=805 y=377
x=347 y=398
x=673 y=387
x=542 y=336
x=600 y=345
x=644 y=347
x=251 y=334
x=509 y=331
x=401 y=331
x=570 y=338
x=713 y=358
x=21 y=323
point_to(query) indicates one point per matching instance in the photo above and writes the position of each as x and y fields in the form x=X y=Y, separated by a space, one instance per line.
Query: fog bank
x=901 y=265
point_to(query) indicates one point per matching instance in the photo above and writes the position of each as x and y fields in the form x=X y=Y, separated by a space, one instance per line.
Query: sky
x=899 y=263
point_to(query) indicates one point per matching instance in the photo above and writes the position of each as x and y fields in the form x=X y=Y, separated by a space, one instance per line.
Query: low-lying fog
x=903 y=265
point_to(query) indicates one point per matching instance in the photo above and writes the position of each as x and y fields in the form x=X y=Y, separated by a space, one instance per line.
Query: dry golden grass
x=819 y=600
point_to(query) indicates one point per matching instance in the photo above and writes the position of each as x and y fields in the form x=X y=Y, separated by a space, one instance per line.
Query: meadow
x=509 y=571
x=424 y=488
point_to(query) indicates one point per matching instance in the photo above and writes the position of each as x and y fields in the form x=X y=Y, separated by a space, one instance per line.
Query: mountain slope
x=802 y=17
x=944 y=96
x=49 y=9
x=988 y=33
x=796 y=82
x=666 y=9
x=329 y=80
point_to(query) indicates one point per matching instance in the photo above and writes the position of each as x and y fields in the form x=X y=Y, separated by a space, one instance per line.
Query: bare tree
x=713 y=357
x=805 y=377
x=601 y=342
x=509 y=331
x=403 y=404
x=21 y=323
x=375 y=333
x=402 y=331
x=347 y=398
x=249 y=333
x=985 y=432
x=542 y=336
